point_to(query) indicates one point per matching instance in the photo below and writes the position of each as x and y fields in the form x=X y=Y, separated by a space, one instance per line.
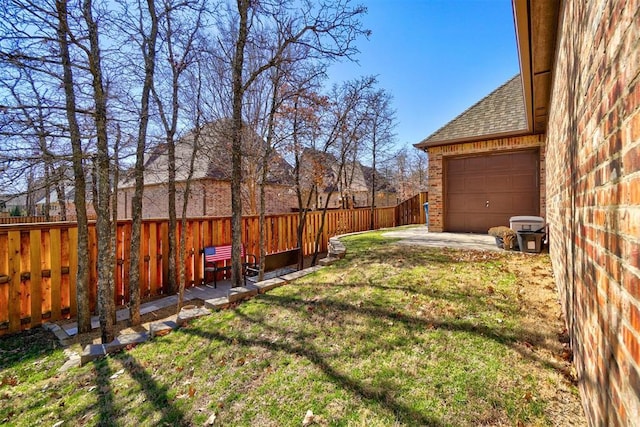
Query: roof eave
x=424 y=145
x=536 y=25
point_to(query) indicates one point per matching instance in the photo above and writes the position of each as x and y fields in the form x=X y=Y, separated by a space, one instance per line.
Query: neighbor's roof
x=213 y=160
x=500 y=113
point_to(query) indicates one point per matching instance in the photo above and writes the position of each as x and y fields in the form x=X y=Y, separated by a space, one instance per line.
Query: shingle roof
x=500 y=112
x=213 y=160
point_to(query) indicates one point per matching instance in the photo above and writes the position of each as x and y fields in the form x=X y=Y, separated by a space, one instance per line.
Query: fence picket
x=35 y=270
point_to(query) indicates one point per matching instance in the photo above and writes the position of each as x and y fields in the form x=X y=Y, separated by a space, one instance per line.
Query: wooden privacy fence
x=38 y=262
x=411 y=211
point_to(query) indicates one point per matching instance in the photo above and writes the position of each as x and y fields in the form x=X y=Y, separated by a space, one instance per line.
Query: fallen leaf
x=9 y=380
x=117 y=374
x=211 y=420
x=308 y=418
x=192 y=391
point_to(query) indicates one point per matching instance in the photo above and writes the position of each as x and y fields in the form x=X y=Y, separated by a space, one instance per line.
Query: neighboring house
x=350 y=188
x=485 y=166
x=210 y=190
x=580 y=76
x=55 y=205
x=10 y=202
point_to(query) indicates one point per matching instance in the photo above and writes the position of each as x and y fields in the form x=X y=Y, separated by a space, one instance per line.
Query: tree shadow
x=156 y=394
x=104 y=392
x=382 y=397
x=301 y=342
x=26 y=346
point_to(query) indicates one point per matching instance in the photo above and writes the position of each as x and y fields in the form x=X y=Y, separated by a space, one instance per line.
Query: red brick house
x=210 y=192
x=580 y=80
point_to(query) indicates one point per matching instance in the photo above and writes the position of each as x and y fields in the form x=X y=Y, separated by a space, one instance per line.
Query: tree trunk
x=185 y=199
x=61 y=193
x=106 y=305
x=236 y=145
x=82 y=276
x=373 y=179
x=149 y=52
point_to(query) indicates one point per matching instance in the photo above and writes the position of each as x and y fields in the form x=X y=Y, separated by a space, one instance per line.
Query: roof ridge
x=450 y=122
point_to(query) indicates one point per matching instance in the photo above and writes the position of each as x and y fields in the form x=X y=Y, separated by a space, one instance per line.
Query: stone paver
x=243 y=292
x=325 y=262
x=158 y=329
x=73 y=361
x=188 y=313
x=92 y=352
x=267 y=285
x=216 y=303
x=125 y=340
x=421 y=236
x=214 y=299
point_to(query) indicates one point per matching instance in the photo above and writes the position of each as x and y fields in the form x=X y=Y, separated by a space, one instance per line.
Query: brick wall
x=593 y=200
x=206 y=198
x=437 y=155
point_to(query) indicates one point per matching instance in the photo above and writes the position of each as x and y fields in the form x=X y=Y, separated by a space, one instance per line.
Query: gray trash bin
x=530 y=231
x=426 y=212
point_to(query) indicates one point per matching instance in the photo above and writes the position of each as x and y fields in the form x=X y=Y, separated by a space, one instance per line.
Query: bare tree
x=195 y=149
x=179 y=38
x=82 y=277
x=381 y=122
x=327 y=29
x=106 y=304
x=148 y=49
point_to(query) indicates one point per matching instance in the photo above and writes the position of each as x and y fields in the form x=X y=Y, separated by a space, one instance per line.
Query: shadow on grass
x=104 y=392
x=26 y=346
x=155 y=393
x=381 y=397
x=513 y=338
x=301 y=343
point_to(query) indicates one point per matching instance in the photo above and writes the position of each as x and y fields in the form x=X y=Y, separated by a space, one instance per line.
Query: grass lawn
x=391 y=335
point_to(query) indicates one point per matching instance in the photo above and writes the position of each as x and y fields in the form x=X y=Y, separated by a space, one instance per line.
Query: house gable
x=501 y=113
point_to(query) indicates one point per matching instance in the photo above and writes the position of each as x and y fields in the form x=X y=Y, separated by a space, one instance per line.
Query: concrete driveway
x=422 y=237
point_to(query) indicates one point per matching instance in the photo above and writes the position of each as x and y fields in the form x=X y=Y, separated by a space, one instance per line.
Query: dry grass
x=391 y=335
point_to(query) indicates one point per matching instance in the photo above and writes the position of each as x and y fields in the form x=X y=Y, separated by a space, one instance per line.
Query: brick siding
x=207 y=198
x=593 y=200
x=437 y=155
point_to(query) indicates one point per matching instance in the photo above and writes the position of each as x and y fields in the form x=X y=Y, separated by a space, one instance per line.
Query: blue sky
x=436 y=57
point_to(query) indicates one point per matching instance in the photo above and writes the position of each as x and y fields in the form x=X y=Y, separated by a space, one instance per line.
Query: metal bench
x=217 y=259
x=276 y=261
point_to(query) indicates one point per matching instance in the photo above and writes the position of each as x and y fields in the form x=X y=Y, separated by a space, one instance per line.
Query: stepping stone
x=217 y=303
x=336 y=248
x=60 y=333
x=126 y=340
x=267 y=285
x=240 y=293
x=92 y=352
x=159 y=329
x=73 y=361
x=190 y=312
x=301 y=273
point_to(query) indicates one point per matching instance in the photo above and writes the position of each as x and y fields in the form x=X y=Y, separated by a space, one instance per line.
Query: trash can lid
x=525 y=218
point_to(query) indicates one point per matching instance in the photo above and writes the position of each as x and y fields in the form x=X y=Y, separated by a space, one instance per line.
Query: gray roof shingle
x=500 y=112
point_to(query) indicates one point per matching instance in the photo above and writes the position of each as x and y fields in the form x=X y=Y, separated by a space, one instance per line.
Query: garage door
x=485 y=191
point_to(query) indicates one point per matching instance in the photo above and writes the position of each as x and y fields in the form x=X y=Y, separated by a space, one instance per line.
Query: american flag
x=219 y=253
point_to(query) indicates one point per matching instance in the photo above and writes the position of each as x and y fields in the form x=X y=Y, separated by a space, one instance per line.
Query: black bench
x=276 y=261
